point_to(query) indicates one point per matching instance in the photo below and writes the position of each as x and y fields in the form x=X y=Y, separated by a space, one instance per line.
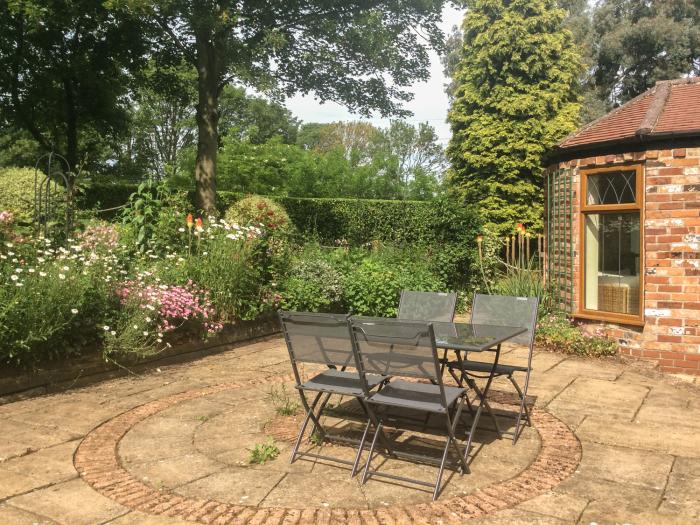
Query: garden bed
x=91 y=368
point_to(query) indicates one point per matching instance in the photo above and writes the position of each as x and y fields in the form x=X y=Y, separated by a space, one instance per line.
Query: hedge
x=356 y=221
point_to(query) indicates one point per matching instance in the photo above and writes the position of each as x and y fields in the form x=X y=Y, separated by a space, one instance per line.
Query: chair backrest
x=506 y=310
x=427 y=306
x=395 y=347
x=317 y=338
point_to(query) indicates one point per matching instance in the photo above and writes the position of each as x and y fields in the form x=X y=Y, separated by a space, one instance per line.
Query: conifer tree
x=516 y=95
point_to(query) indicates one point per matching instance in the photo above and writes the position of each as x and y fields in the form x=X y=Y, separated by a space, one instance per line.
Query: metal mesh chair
x=324 y=339
x=503 y=310
x=400 y=348
x=427 y=306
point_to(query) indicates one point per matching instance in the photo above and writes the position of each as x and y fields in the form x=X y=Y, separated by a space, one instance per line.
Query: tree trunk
x=207 y=123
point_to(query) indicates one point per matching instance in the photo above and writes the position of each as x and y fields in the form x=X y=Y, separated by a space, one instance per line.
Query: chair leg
x=359 y=450
x=309 y=412
x=371 y=452
x=523 y=410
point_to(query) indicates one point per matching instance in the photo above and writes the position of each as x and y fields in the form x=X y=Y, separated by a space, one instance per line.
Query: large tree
x=637 y=43
x=361 y=53
x=64 y=71
x=516 y=95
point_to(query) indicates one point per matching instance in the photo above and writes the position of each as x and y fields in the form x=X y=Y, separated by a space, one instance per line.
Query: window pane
x=611 y=259
x=612 y=187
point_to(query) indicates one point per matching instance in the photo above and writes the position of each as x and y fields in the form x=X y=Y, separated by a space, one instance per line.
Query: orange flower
x=198 y=224
x=520 y=228
x=189 y=221
x=479 y=239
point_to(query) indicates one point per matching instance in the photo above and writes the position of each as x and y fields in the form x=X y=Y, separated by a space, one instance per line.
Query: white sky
x=429 y=103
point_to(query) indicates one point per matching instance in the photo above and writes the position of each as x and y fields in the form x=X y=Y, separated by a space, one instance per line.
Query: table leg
x=483 y=402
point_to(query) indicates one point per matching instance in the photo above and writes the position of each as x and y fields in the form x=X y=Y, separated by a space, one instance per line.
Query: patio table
x=467 y=337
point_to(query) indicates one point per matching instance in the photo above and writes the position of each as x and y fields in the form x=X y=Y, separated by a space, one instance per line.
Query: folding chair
x=427 y=306
x=393 y=347
x=503 y=310
x=324 y=339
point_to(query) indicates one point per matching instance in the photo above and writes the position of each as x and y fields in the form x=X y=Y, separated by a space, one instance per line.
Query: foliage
x=17 y=195
x=282 y=401
x=263 y=452
x=312 y=285
x=255 y=210
x=556 y=333
x=152 y=217
x=51 y=300
x=373 y=287
x=253 y=119
x=524 y=281
x=64 y=71
x=230 y=262
x=515 y=96
x=637 y=43
x=150 y=312
x=363 y=56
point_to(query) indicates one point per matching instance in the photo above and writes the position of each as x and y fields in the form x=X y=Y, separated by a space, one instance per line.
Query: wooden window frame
x=585 y=209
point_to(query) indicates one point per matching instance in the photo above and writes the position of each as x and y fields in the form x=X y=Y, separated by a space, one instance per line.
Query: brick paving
x=611 y=443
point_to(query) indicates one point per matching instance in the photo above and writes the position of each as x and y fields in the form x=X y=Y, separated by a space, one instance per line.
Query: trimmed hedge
x=355 y=221
x=105 y=195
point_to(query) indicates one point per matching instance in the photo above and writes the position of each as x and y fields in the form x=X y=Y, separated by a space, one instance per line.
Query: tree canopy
x=516 y=94
x=361 y=53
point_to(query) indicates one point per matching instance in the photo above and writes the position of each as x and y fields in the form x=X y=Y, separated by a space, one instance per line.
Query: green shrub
x=556 y=333
x=373 y=287
x=17 y=193
x=313 y=285
x=254 y=210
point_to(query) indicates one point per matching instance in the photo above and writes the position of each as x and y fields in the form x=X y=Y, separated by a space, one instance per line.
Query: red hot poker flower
x=189 y=221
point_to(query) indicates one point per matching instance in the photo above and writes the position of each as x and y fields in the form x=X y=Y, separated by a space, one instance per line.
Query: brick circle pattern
x=97 y=462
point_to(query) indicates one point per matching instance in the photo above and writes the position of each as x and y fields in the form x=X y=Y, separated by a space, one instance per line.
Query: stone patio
x=611 y=442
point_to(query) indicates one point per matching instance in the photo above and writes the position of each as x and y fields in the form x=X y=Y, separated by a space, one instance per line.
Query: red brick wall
x=671 y=332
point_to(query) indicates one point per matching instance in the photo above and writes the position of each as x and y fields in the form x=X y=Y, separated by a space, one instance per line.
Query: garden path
x=171 y=446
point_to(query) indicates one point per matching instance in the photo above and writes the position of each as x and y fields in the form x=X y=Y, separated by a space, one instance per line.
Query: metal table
x=463 y=338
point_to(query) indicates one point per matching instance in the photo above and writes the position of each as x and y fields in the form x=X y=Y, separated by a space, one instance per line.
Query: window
x=611 y=262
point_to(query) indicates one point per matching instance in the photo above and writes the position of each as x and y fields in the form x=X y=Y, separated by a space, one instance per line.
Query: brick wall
x=671 y=332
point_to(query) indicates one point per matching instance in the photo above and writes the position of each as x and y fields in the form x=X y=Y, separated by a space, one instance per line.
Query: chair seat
x=339 y=382
x=481 y=366
x=418 y=396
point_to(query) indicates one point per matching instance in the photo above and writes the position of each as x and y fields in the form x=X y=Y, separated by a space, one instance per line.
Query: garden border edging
x=92 y=368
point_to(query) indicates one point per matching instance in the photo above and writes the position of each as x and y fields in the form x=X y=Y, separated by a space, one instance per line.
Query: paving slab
x=70 y=503
x=639 y=434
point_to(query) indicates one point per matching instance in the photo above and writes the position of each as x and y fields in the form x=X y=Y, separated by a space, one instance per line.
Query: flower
x=61 y=276
x=198 y=224
x=189 y=221
x=520 y=228
x=43 y=274
x=106 y=328
x=14 y=277
x=74 y=311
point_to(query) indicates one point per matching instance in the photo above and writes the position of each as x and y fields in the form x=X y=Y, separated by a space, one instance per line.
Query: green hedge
x=356 y=221
x=105 y=195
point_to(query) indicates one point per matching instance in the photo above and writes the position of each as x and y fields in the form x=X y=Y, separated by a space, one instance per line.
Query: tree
x=638 y=43
x=254 y=119
x=516 y=95
x=420 y=159
x=64 y=70
x=361 y=53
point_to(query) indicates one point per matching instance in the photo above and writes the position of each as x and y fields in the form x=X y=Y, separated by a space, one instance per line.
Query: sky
x=428 y=105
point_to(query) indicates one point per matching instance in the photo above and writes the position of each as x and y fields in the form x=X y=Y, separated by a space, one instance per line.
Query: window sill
x=611 y=318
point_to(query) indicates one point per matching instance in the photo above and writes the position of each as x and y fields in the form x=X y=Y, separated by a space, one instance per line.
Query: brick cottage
x=623 y=225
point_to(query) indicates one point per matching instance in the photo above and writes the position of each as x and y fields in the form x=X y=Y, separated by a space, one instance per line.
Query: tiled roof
x=671 y=107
